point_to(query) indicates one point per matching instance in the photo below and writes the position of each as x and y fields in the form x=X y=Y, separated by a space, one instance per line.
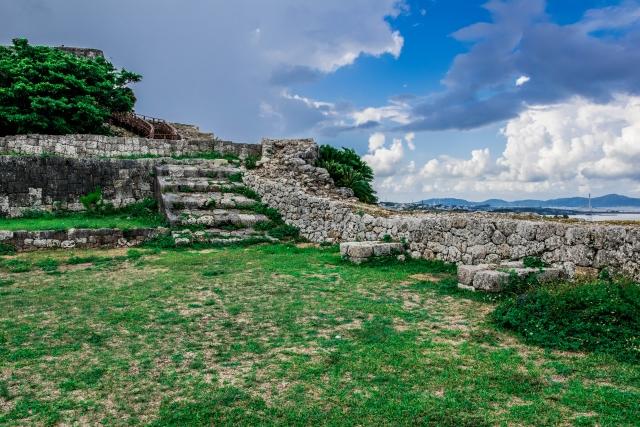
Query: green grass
x=602 y=316
x=79 y=220
x=278 y=334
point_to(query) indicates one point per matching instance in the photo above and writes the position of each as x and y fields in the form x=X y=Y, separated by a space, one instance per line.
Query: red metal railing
x=144 y=126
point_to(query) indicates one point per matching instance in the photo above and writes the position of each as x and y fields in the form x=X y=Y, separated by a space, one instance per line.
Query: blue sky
x=460 y=98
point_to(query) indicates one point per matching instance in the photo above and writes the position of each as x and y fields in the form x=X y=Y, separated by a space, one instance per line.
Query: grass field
x=277 y=334
x=79 y=220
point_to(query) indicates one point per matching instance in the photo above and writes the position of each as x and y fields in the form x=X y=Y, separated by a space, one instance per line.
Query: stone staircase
x=205 y=193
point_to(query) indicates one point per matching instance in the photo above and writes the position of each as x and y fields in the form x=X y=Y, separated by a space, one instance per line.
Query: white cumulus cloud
x=410 y=137
x=522 y=80
x=574 y=147
x=384 y=160
x=448 y=167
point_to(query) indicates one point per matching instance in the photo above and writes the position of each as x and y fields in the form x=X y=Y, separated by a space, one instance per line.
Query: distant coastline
x=609 y=207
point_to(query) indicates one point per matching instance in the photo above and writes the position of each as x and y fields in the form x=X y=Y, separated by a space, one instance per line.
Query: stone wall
x=23 y=241
x=286 y=182
x=81 y=146
x=83 y=52
x=37 y=182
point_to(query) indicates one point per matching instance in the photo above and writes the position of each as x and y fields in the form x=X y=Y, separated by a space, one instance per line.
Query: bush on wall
x=48 y=91
x=348 y=170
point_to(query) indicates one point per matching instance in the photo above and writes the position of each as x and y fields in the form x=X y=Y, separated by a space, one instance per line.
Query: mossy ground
x=277 y=334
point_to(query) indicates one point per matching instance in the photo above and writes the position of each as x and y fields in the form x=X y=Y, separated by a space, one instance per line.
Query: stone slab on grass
x=490 y=280
x=358 y=252
x=466 y=273
x=495 y=277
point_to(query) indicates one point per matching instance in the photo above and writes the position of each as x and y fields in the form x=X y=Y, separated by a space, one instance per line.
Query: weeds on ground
x=600 y=316
x=251 y=161
x=281 y=334
x=235 y=177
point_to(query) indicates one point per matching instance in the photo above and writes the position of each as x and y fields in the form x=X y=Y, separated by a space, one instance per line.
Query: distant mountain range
x=610 y=201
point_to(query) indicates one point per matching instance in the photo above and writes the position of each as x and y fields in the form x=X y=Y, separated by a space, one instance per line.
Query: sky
x=443 y=98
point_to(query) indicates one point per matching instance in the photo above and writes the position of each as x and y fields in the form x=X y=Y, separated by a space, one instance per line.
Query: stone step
x=209 y=200
x=193 y=184
x=214 y=217
x=216 y=235
x=494 y=277
x=358 y=252
x=182 y=171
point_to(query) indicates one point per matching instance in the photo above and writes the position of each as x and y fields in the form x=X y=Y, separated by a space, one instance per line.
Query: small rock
x=466 y=287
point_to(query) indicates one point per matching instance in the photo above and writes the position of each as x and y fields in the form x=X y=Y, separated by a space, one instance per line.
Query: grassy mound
x=599 y=316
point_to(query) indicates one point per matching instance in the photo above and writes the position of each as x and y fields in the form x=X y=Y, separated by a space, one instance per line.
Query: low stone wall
x=81 y=146
x=461 y=238
x=78 y=238
x=43 y=183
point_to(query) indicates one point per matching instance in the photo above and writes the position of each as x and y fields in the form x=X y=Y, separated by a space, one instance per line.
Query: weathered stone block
x=490 y=280
x=466 y=273
x=359 y=251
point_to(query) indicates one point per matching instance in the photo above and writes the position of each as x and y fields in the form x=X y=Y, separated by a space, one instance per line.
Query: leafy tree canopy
x=48 y=91
x=348 y=170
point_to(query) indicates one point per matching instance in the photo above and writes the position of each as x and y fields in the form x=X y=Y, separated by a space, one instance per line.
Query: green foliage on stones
x=348 y=170
x=533 y=262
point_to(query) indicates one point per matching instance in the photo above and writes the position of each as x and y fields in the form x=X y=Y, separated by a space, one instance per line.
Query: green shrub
x=251 y=162
x=48 y=91
x=284 y=231
x=272 y=214
x=7 y=249
x=235 y=177
x=518 y=284
x=145 y=208
x=264 y=226
x=347 y=169
x=134 y=254
x=16 y=265
x=598 y=316
x=533 y=262
x=94 y=204
x=48 y=265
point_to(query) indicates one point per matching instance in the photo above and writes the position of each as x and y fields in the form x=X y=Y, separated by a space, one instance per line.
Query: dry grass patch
x=278 y=335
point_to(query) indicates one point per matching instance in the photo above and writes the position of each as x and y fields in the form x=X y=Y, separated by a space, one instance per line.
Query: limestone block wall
x=23 y=241
x=81 y=146
x=37 y=182
x=323 y=216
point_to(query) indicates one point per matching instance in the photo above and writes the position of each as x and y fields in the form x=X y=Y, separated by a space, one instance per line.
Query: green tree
x=348 y=170
x=48 y=91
